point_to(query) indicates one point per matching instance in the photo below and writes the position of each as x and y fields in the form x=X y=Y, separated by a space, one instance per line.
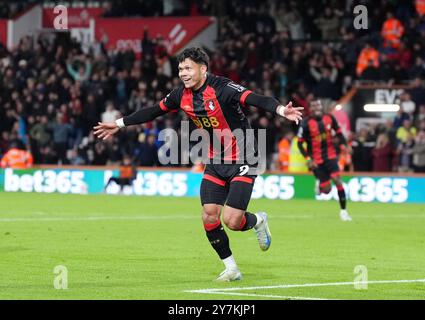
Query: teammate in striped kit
x=214 y=104
x=317 y=130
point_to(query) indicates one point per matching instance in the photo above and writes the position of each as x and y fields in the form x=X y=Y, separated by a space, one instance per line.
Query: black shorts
x=122 y=181
x=227 y=183
x=325 y=171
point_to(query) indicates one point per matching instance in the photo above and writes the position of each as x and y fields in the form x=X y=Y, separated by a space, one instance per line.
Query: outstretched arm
x=141 y=116
x=235 y=93
x=106 y=129
x=272 y=105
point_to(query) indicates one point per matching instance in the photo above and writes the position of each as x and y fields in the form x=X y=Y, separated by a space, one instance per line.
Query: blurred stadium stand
x=54 y=86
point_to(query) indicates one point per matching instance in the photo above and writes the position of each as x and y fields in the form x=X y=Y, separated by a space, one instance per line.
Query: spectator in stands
x=417 y=92
x=233 y=72
x=91 y=113
x=75 y=157
x=422 y=125
x=399 y=119
x=17 y=157
x=368 y=58
x=61 y=136
x=40 y=135
x=8 y=9
x=218 y=64
x=284 y=151
x=48 y=155
x=325 y=81
x=389 y=130
x=4 y=10
x=291 y=20
x=405 y=131
x=110 y=114
x=328 y=23
x=297 y=162
x=421 y=115
x=418 y=152
x=420 y=7
x=392 y=31
x=407 y=104
x=100 y=157
x=362 y=150
x=79 y=68
x=382 y=155
x=386 y=69
x=146 y=153
x=405 y=153
x=265 y=123
x=418 y=69
x=4 y=142
x=403 y=57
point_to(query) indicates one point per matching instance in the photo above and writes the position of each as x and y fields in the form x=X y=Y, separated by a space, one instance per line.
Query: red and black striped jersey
x=319 y=133
x=217 y=108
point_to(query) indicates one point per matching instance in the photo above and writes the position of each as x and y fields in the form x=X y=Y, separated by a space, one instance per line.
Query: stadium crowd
x=52 y=92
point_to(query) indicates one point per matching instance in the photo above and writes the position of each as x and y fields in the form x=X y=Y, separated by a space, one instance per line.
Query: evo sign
x=387 y=96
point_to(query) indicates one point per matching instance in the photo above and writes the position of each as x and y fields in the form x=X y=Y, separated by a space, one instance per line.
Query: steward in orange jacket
x=17 y=158
x=369 y=56
x=284 y=148
x=392 y=31
x=420 y=7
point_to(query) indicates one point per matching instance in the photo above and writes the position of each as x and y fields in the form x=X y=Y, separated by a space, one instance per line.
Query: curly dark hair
x=195 y=54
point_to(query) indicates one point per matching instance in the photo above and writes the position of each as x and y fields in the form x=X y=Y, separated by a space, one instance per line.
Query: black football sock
x=249 y=221
x=341 y=196
x=219 y=240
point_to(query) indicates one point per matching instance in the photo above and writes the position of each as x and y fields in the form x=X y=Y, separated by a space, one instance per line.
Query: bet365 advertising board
x=392 y=189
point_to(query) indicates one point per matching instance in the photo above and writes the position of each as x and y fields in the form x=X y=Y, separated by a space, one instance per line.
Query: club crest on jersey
x=211 y=105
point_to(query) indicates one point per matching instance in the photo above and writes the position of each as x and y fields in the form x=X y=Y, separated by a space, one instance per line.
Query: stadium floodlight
x=381 y=107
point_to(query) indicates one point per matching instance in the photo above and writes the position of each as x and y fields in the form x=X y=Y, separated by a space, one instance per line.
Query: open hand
x=104 y=130
x=290 y=112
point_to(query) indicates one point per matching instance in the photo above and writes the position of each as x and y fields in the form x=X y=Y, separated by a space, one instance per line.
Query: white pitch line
x=383 y=216
x=284 y=286
x=262 y=295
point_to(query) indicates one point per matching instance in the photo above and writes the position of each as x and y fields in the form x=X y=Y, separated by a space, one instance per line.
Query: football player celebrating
x=317 y=131
x=215 y=104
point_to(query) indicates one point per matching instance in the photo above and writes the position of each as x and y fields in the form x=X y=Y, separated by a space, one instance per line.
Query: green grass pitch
x=129 y=247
